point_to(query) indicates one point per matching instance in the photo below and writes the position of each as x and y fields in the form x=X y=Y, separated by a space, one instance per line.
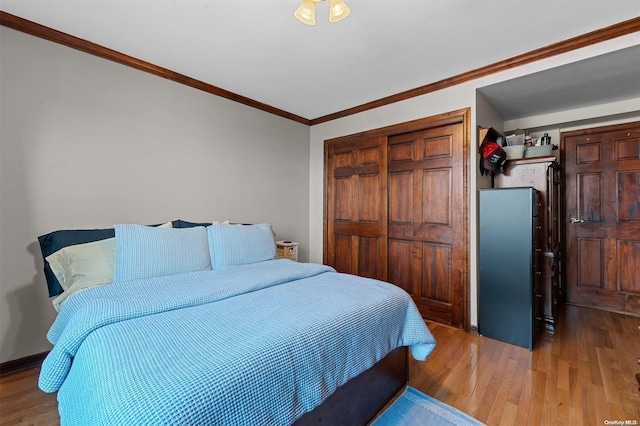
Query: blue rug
x=414 y=408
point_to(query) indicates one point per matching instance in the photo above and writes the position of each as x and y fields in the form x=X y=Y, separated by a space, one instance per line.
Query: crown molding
x=41 y=31
x=617 y=30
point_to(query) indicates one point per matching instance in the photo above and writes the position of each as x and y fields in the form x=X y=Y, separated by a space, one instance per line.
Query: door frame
x=461 y=116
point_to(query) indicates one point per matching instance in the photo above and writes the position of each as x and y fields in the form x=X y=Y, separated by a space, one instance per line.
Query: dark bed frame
x=359 y=400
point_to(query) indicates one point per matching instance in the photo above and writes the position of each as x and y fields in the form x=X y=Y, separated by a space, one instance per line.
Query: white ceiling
x=601 y=79
x=256 y=48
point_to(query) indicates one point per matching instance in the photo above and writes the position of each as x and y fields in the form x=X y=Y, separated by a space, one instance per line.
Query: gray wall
x=86 y=143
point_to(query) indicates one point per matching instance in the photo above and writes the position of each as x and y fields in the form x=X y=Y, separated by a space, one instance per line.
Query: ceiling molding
x=617 y=30
x=41 y=31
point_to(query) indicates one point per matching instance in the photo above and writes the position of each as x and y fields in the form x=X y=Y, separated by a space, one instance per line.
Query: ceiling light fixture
x=306 y=13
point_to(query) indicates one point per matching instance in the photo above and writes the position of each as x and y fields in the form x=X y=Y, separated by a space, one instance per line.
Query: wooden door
x=427 y=231
x=602 y=175
x=356 y=234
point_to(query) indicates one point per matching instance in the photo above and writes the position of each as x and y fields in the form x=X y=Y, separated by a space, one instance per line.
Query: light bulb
x=306 y=13
x=338 y=10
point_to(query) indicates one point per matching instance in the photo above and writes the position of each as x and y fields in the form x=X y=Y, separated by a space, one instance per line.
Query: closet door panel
x=401 y=264
x=343 y=245
x=436 y=197
x=356 y=207
x=431 y=217
x=436 y=272
x=401 y=197
x=345 y=188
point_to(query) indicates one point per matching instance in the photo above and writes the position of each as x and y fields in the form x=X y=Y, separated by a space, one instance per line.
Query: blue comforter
x=254 y=344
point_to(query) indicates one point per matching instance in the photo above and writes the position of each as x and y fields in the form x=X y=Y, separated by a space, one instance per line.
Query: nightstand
x=287 y=250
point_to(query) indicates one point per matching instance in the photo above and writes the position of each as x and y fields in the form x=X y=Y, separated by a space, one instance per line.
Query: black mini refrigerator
x=508 y=228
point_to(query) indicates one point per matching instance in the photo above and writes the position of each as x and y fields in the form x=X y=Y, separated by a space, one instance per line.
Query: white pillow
x=82 y=266
x=145 y=252
x=90 y=263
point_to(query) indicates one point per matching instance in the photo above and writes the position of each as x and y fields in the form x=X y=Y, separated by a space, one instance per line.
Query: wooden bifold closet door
x=396 y=210
x=356 y=220
x=426 y=221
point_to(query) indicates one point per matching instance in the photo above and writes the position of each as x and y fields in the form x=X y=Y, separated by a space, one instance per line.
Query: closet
x=396 y=210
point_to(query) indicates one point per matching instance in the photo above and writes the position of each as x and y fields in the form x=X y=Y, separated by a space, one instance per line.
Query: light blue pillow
x=145 y=252
x=240 y=244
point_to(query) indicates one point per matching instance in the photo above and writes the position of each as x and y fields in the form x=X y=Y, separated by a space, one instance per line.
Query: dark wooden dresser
x=543 y=174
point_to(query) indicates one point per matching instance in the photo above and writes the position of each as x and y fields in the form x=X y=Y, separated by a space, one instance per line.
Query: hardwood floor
x=22 y=403
x=582 y=375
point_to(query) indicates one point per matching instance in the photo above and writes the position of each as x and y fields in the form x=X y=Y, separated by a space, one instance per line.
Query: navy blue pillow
x=51 y=243
x=184 y=224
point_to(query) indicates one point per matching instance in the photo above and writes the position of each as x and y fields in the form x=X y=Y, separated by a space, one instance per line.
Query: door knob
x=574 y=220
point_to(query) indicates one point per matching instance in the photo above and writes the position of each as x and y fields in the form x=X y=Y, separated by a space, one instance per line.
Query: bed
x=202 y=325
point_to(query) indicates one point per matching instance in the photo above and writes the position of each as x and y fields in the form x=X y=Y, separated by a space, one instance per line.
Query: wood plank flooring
x=582 y=375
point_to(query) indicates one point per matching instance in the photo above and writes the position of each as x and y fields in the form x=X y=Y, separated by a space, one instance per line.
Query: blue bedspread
x=254 y=344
